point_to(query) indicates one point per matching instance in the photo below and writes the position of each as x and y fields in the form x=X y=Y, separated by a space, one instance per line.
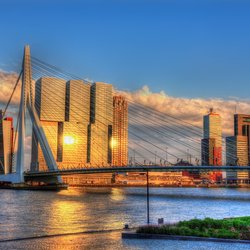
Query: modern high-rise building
x=50 y=94
x=237 y=155
x=64 y=112
x=242 y=127
x=238 y=147
x=6 y=144
x=208 y=156
x=77 y=107
x=50 y=129
x=100 y=128
x=119 y=143
x=50 y=99
x=84 y=124
x=212 y=140
x=72 y=144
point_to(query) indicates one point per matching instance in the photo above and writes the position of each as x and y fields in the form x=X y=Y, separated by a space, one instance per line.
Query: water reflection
x=117 y=194
x=64 y=216
x=24 y=214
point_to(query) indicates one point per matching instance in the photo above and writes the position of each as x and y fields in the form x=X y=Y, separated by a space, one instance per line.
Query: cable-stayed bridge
x=157 y=141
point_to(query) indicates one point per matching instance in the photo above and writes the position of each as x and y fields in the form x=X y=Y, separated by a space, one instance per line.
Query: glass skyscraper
x=212 y=140
x=238 y=147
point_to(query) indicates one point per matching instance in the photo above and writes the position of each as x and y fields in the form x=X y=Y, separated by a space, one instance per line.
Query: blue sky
x=186 y=48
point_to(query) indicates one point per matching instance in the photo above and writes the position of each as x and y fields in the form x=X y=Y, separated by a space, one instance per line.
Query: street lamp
x=167 y=155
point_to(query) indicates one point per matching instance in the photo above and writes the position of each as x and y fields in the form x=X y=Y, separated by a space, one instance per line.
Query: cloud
x=7 y=83
x=190 y=110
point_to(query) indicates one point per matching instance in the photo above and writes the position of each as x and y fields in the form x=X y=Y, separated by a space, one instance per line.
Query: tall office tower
x=50 y=99
x=64 y=111
x=212 y=141
x=6 y=144
x=238 y=146
x=50 y=105
x=242 y=127
x=119 y=143
x=50 y=129
x=100 y=129
x=73 y=147
x=237 y=155
x=77 y=107
x=207 y=152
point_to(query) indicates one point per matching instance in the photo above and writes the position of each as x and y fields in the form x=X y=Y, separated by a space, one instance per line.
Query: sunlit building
x=77 y=107
x=237 y=147
x=212 y=140
x=6 y=144
x=50 y=96
x=119 y=143
x=51 y=132
x=72 y=148
x=237 y=155
x=77 y=120
x=50 y=99
x=100 y=128
x=64 y=112
x=242 y=127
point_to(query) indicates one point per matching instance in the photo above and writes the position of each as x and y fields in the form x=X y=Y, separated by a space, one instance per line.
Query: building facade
x=237 y=155
x=242 y=128
x=101 y=122
x=237 y=146
x=64 y=112
x=212 y=140
x=119 y=143
x=6 y=144
x=84 y=125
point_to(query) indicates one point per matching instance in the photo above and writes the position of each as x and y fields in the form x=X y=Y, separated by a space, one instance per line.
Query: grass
x=232 y=228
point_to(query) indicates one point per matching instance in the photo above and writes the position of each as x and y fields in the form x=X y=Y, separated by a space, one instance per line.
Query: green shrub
x=233 y=228
x=223 y=233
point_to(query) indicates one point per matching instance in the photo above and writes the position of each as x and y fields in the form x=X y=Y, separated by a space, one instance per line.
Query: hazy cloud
x=7 y=83
x=191 y=110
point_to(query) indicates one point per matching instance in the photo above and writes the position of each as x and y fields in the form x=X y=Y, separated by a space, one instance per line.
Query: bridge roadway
x=114 y=169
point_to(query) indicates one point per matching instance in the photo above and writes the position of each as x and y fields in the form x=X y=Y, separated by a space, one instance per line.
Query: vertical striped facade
x=100 y=129
x=78 y=122
x=119 y=143
x=6 y=144
x=237 y=155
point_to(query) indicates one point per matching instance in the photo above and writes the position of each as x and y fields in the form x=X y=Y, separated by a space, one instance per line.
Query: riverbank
x=163 y=186
x=230 y=228
x=35 y=187
x=113 y=240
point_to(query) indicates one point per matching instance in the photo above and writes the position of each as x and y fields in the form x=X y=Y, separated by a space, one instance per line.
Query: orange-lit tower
x=119 y=142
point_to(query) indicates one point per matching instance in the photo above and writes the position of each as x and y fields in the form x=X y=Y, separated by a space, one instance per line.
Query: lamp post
x=147 y=199
x=167 y=155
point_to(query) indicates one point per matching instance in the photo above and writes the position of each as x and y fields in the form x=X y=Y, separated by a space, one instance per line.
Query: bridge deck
x=135 y=169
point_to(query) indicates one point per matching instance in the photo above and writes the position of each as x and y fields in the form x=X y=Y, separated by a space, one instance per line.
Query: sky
x=180 y=57
x=186 y=48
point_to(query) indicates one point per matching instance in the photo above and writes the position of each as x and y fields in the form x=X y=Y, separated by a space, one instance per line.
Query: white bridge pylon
x=26 y=104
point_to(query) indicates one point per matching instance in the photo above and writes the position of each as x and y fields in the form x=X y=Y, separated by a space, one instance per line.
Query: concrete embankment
x=134 y=235
x=24 y=186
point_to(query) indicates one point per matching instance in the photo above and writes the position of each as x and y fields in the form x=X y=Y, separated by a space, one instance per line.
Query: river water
x=32 y=213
